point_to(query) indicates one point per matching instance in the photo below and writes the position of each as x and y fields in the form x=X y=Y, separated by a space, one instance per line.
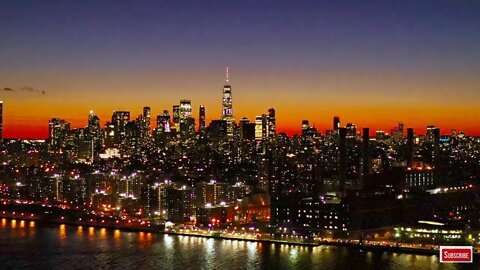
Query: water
x=29 y=245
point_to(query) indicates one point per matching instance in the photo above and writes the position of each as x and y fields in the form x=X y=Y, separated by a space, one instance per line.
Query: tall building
x=201 y=117
x=366 y=157
x=271 y=123
x=1 y=121
x=261 y=127
x=217 y=129
x=163 y=122
x=146 y=120
x=93 y=131
x=351 y=130
x=430 y=133
x=400 y=128
x=409 y=152
x=305 y=126
x=227 y=108
x=187 y=123
x=342 y=158
x=185 y=109
x=247 y=129
x=176 y=117
x=336 y=122
x=119 y=122
x=57 y=131
x=436 y=146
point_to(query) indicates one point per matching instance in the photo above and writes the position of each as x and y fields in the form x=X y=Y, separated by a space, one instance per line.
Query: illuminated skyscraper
x=227 y=108
x=119 y=122
x=146 y=119
x=365 y=173
x=342 y=158
x=336 y=123
x=351 y=130
x=93 y=130
x=430 y=133
x=201 y=124
x=436 y=146
x=163 y=122
x=271 y=123
x=57 y=131
x=261 y=127
x=185 y=109
x=176 y=118
x=187 y=123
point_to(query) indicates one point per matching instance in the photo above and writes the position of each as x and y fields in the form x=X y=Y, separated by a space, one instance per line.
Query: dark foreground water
x=29 y=245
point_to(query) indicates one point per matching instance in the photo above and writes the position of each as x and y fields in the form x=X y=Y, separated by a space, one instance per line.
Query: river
x=31 y=245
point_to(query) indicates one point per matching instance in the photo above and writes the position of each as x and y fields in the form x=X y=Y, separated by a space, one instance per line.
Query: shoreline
x=360 y=247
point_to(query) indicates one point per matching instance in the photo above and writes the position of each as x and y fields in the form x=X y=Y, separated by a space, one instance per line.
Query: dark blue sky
x=380 y=51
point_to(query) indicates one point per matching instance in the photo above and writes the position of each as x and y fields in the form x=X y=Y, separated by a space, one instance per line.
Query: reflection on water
x=62 y=231
x=168 y=239
x=116 y=234
x=45 y=246
x=103 y=233
x=91 y=232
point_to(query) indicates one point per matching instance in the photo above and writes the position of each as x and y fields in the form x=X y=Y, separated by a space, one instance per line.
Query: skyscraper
x=94 y=132
x=227 y=108
x=201 y=124
x=57 y=131
x=400 y=129
x=185 y=109
x=261 y=127
x=342 y=159
x=176 y=118
x=366 y=158
x=430 y=133
x=409 y=152
x=146 y=117
x=247 y=129
x=271 y=123
x=305 y=126
x=436 y=146
x=119 y=121
x=163 y=122
x=145 y=124
x=336 y=123
x=187 y=123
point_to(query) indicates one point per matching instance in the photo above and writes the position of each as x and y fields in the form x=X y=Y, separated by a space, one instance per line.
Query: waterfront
x=31 y=245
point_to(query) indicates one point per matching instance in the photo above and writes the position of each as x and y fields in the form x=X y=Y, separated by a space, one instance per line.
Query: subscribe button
x=456 y=254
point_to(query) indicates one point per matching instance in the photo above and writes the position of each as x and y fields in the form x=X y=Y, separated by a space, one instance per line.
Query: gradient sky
x=373 y=63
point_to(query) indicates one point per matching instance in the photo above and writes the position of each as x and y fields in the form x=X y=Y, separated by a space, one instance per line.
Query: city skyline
x=373 y=64
x=42 y=131
x=253 y=134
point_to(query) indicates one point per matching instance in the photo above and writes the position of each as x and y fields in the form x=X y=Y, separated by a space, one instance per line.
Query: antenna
x=227 y=74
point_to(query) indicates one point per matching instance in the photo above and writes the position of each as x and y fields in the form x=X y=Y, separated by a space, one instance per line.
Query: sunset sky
x=373 y=63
